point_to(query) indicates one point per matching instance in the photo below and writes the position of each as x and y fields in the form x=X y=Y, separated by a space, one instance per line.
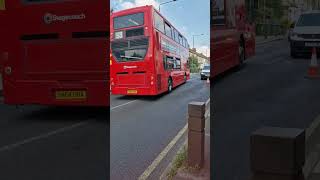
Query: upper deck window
x=168 y=30
x=128 y=21
x=158 y=22
x=218 y=12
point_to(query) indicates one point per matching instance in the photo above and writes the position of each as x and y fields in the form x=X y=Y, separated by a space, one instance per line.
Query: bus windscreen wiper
x=130 y=57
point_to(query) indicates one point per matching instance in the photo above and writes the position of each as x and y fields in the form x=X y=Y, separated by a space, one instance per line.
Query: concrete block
x=196 y=109
x=196 y=123
x=195 y=149
x=277 y=150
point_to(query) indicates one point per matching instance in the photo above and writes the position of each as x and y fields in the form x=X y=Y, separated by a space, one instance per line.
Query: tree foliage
x=194 y=64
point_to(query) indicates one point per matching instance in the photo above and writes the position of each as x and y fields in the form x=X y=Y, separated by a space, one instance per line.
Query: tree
x=194 y=64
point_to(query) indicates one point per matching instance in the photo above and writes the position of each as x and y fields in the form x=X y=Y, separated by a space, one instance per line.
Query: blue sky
x=190 y=17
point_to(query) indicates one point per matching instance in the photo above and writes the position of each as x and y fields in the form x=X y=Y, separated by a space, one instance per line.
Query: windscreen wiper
x=130 y=57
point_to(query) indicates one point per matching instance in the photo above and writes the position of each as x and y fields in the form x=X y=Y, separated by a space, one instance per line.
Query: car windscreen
x=206 y=68
x=311 y=19
x=128 y=21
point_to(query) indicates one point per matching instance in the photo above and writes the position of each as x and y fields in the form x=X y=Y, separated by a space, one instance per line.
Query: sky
x=190 y=17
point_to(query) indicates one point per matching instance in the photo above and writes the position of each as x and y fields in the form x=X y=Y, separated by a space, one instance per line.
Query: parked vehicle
x=306 y=34
x=205 y=72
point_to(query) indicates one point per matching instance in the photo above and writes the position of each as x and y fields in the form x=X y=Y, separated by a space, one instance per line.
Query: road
x=270 y=90
x=141 y=127
x=53 y=143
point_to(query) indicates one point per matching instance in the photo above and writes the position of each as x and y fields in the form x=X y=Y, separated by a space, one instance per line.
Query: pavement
x=269 y=90
x=261 y=39
x=146 y=132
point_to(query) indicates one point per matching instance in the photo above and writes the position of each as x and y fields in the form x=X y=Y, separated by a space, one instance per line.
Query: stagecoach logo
x=50 y=18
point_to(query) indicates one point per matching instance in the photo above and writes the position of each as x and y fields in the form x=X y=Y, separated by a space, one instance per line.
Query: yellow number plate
x=132 y=91
x=71 y=95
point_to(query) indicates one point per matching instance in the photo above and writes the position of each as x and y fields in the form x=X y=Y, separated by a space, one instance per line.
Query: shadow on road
x=227 y=73
x=99 y=114
x=149 y=98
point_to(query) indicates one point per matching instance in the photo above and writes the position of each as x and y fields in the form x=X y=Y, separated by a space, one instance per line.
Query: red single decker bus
x=56 y=52
x=149 y=56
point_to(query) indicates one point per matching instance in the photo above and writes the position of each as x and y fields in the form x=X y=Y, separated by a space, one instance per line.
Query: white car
x=205 y=72
x=306 y=34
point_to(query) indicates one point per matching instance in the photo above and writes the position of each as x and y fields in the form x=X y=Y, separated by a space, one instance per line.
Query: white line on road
x=160 y=157
x=43 y=136
x=112 y=108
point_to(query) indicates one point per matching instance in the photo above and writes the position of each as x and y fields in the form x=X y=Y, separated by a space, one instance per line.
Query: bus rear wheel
x=169 y=85
x=242 y=55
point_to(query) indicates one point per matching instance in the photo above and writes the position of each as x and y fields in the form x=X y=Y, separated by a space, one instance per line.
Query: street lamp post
x=166 y=3
x=193 y=38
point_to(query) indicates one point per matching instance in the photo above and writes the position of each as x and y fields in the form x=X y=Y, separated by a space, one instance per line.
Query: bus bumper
x=140 y=91
x=44 y=93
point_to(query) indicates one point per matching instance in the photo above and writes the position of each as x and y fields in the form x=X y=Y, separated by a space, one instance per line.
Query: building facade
x=202 y=59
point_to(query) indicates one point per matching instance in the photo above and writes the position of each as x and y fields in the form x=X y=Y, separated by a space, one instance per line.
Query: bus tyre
x=169 y=85
x=242 y=55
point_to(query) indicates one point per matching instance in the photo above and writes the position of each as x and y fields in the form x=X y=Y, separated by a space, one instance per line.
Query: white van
x=306 y=34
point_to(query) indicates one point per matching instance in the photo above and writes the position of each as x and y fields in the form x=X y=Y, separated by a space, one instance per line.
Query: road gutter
x=312 y=149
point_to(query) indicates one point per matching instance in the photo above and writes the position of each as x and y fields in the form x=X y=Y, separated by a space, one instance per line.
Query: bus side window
x=169 y=61
x=177 y=63
x=2 y=5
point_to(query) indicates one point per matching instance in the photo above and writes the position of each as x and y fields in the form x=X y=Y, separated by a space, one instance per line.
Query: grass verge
x=179 y=162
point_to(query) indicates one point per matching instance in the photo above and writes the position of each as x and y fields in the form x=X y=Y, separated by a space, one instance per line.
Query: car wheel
x=293 y=53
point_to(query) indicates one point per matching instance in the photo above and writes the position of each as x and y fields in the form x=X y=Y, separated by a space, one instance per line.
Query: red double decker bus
x=56 y=52
x=149 y=56
x=232 y=36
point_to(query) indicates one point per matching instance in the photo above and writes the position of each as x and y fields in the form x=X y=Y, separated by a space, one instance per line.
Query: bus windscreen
x=128 y=21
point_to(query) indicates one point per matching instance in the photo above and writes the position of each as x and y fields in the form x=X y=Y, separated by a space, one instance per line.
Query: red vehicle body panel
x=226 y=37
x=56 y=46
x=147 y=76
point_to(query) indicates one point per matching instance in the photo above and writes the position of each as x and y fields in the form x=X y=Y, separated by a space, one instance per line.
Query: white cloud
x=137 y=3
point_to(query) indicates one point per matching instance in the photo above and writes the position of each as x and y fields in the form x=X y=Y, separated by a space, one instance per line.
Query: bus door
x=61 y=45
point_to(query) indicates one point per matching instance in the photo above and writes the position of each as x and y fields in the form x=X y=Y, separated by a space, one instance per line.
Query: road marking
x=160 y=157
x=43 y=136
x=112 y=108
